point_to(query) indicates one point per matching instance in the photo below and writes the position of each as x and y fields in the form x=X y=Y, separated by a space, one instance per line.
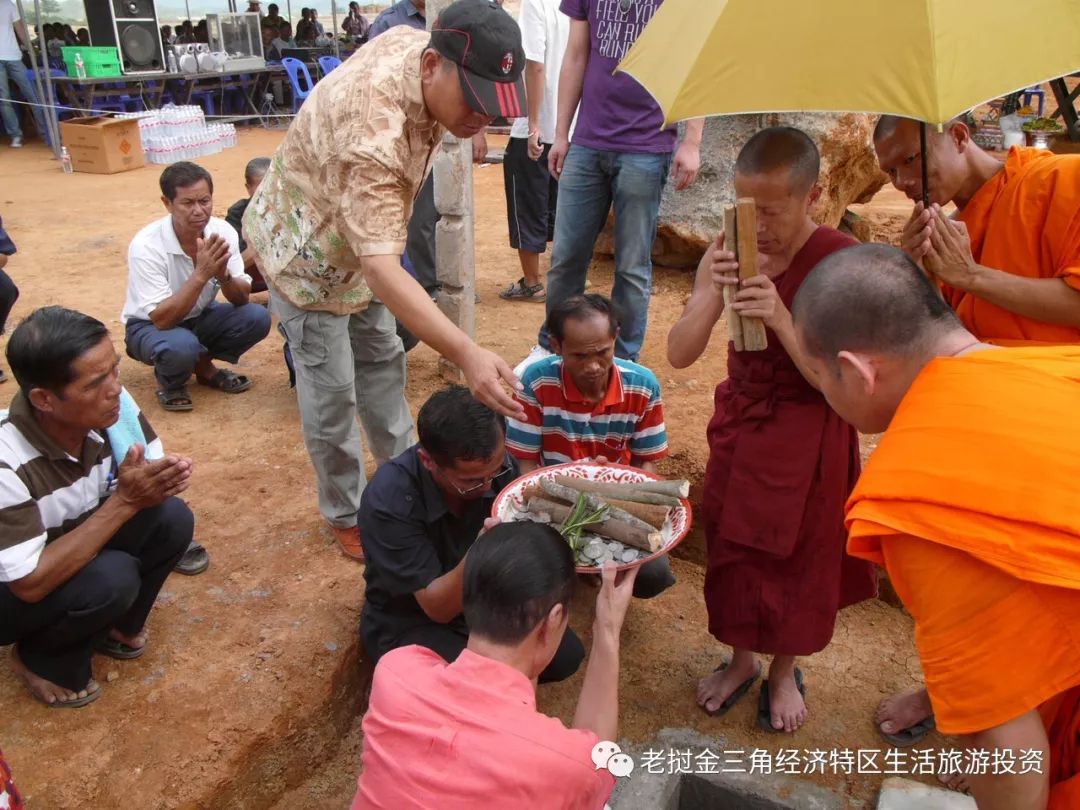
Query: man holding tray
x=583 y=404
x=420 y=515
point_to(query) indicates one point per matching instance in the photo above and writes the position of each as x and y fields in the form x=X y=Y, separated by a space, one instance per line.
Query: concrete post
x=455 y=254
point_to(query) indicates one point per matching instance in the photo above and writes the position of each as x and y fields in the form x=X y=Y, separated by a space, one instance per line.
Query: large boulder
x=690 y=219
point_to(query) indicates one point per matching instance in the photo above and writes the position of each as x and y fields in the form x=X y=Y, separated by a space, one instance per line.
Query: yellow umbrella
x=924 y=59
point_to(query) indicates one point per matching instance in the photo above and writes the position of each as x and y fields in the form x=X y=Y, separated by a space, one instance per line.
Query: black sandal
x=195 y=560
x=175 y=399
x=227 y=381
x=119 y=650
x=734 y=697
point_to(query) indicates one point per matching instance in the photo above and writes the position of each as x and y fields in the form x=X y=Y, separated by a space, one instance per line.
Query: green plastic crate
x=97 y=61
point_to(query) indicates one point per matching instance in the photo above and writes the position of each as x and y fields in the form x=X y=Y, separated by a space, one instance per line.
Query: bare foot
x=136 y=642
x=717 y=687
x=47 y=691
x=955 y=781
x=786 y=703
x=905 y=710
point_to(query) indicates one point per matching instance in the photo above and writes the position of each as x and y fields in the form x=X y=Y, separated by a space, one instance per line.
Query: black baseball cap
x=485 y=43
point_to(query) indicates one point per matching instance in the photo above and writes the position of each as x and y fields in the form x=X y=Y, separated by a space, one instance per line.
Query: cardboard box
x=102 y=145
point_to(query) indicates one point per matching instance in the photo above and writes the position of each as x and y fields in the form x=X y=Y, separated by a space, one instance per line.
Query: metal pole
x=288 y=12
x=925 y=169
x=187 y=8
x=333 y=15
x=46 y=97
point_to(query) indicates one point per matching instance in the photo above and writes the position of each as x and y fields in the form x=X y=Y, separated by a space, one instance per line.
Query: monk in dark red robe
x=781 y=462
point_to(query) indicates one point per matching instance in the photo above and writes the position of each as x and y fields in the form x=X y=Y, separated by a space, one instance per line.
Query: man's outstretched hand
x=485 y=373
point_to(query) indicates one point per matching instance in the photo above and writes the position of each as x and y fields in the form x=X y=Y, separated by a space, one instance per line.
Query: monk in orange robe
x=1009 y=262
x=781 y=462
x=969 y=502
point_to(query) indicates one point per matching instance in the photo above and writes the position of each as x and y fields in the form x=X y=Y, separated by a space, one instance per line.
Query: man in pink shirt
x=467 y=734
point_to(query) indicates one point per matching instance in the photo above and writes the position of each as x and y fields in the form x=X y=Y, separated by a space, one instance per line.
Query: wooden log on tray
x=655 y=516
x=753 y=329
x=626 y=534
x=623 y=492
x=559 y=492
x=675 y=487
x=734 y=320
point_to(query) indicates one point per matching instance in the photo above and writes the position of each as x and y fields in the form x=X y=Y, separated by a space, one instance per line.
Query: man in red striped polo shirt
x=584 y=404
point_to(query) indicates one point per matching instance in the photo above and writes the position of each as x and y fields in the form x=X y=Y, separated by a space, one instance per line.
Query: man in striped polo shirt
x=85 y=543
x=583 y=403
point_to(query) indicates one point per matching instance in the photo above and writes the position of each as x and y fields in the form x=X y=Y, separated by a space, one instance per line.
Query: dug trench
x=252 y=692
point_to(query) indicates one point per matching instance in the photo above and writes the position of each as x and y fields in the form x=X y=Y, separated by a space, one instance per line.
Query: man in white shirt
x=175 y=267
x=12 y=32
x=531 y=191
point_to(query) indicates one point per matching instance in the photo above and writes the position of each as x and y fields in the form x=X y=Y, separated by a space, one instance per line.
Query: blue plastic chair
x=1035 y=92
x=328 y=63
x=297 y=69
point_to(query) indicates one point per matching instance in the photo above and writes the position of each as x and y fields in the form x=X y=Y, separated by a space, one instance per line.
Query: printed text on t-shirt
x=617 y=30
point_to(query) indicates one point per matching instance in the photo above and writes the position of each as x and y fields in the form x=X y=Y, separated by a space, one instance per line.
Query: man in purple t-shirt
x=621 y=155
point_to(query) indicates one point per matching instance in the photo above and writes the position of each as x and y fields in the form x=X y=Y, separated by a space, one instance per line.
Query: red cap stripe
x=511 y=90
x=504 y=102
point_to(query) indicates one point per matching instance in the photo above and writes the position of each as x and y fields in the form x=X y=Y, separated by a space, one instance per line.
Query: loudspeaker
x=131 y=26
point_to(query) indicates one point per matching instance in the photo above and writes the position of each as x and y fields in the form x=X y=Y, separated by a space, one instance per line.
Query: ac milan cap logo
x=507 y=63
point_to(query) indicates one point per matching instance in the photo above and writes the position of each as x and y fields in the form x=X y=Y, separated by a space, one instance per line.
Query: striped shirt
x=627 y=426
x=44 y=491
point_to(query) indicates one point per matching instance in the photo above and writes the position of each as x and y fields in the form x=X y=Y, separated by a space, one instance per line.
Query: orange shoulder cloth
x=983 y=455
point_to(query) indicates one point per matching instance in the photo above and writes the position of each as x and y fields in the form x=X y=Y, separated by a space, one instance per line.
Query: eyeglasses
x=483 y=483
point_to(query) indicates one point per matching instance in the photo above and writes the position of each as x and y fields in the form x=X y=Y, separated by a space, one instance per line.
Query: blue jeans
x=221 y=330
x=591 y=181
x=16 y=71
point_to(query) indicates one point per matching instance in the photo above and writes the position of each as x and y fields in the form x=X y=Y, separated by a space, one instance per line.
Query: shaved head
x=887 y=125
x=870 y=299
x=778 y=148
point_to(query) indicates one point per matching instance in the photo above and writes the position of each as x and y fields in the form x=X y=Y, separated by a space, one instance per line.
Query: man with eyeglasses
x=584 y=404
x=419 y=516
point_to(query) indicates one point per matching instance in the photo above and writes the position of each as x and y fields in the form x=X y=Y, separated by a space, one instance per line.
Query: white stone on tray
x=593 y=551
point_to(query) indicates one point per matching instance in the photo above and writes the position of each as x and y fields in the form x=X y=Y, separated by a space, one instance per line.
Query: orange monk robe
x=971 y=503
x=1025 y=220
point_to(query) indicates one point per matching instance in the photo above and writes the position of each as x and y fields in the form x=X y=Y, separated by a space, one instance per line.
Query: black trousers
x=448 y=641
x=56 y=636
x=9 y=294
x=420 y=244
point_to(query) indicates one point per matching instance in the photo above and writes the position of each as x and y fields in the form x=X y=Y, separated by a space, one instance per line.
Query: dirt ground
x=248 y=696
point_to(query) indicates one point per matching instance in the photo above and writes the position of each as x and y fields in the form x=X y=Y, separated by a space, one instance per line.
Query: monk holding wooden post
x=781 y=462
x=740 y=221
x=969 y=502
x=1008 y=263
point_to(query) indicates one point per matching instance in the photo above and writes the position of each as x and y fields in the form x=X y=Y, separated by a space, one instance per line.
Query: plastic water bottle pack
x=181 y=133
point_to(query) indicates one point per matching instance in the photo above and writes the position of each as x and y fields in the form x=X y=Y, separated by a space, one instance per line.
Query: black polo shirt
x=411 y=538
x=235 y=217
